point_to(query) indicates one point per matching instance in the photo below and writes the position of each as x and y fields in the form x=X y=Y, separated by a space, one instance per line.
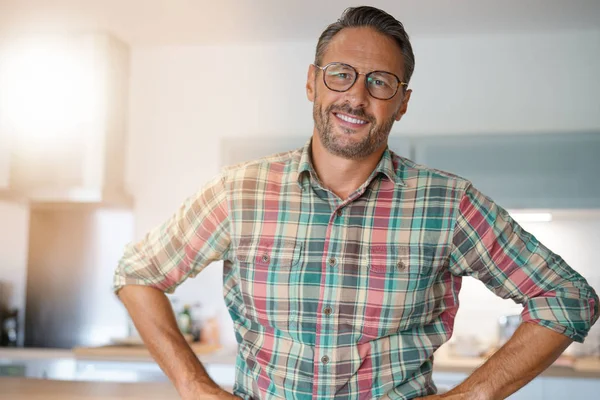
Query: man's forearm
x=153 y=317
x=529 y=352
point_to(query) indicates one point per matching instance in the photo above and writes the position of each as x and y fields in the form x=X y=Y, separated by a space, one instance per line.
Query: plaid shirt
x=350 y=298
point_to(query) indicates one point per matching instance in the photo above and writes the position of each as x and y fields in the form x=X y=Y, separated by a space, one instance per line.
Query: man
x=343 y=261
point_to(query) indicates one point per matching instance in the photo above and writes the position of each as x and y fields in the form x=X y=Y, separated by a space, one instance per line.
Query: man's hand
x=222 y=395
x=218 y=394
x=449 y=396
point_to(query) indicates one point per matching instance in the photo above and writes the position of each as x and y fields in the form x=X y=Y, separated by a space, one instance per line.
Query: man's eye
x=378 y=82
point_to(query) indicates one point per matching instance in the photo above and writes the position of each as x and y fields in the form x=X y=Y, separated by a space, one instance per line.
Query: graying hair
x=365 y=16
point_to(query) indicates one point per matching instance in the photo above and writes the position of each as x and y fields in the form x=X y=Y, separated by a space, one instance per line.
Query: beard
x=336 y=143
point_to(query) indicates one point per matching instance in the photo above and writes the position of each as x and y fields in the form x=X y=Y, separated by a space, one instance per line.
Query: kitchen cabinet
x=536 y=171
x=66 y=115
x=541 y=388
x=129 y=371
x=62 y=365
x=532 y=391
x=239 y=149
x=574 y=388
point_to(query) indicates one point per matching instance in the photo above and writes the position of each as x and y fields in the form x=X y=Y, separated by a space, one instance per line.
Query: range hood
x=63 y=113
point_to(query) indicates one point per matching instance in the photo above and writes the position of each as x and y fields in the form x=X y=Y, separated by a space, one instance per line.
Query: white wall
x=184 y=99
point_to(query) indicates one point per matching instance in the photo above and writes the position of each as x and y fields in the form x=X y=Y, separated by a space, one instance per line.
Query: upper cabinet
x=522 y=171
x=64 y=108
x=239 y=149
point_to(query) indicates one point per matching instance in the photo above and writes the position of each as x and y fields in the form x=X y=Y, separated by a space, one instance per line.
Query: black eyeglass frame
x=323 y=68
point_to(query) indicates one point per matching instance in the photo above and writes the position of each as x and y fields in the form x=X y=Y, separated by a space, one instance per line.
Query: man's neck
x=341 y=175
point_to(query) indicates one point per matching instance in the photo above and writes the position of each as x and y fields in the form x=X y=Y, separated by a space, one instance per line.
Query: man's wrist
x=472 y=393
x=198 y=387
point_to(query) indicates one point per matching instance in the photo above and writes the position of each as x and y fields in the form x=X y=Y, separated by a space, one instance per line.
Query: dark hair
x=383 y=22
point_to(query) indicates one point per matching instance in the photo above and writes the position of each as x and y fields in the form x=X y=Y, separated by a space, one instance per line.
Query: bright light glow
x=531 y=216
x=49 y=91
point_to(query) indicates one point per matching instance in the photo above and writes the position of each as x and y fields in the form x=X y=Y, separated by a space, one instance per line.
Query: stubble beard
x=352 y=150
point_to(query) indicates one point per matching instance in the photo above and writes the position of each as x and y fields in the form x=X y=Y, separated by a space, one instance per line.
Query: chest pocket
x=268 y=276
x=395 y=290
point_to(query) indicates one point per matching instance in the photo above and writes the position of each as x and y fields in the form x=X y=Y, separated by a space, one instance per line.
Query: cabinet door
x=532 y=391
x=235 y=150
x=239 y=149
x=570 y=388
x=522 y=171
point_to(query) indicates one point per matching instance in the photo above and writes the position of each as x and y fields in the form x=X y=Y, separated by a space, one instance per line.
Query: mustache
x=347 y=109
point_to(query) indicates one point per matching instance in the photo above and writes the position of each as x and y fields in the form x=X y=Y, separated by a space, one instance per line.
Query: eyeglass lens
x=341 y=77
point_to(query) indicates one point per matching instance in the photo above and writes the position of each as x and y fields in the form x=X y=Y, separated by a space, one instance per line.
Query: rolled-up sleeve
x=196 y=235
x=490 y=246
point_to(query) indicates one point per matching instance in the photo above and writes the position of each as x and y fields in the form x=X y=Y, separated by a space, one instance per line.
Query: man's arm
x=559 y=305
x=153 y=317
x=196 y=235
x=528 y=353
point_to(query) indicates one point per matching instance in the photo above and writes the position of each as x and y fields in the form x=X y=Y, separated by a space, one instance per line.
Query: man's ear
x=404 y=104
x=310 y=83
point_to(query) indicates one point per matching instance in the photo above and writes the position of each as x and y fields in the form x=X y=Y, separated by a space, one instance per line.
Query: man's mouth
x=350 y=119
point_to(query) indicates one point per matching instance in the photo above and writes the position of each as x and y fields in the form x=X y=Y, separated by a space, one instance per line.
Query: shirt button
x=332 y=261
x=265 y=258
x=327 y=310
x=324 y=359
x=339 y=213
x=401 y=266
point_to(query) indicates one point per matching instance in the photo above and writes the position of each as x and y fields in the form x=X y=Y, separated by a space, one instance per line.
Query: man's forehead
x=365 y=48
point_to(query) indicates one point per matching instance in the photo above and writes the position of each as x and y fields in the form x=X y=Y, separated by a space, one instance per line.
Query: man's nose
x=358 y=95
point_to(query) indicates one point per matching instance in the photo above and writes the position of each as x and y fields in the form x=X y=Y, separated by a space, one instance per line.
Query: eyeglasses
x=340 y=77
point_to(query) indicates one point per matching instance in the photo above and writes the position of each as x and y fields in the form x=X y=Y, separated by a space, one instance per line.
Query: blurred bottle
x=184 y=320
x=210 y=332
x=9 y=328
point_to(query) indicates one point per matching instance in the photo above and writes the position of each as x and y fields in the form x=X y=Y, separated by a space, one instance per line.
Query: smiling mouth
x=350 y=119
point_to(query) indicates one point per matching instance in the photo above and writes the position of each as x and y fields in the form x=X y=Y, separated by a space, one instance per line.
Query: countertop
x=41 y=389
x=208 y=354
x=580 y=368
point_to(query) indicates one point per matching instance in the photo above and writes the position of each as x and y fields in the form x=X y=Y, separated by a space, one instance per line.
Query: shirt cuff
x=570 y=317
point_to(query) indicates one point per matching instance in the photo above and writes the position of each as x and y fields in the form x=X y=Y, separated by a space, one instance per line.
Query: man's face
x=366 y=50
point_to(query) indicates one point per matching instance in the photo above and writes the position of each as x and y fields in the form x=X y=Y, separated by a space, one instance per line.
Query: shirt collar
x=385 y=166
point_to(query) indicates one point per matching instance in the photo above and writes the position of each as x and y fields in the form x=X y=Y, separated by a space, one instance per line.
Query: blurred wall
x=184 y=99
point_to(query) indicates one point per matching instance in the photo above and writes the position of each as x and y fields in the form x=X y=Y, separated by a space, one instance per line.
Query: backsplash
x=14 y=225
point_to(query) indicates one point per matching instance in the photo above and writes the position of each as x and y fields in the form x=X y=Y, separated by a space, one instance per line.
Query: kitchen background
x=497 y=70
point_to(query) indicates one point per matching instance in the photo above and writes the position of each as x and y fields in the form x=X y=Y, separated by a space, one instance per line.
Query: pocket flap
x=269 y=252
x=396 y=259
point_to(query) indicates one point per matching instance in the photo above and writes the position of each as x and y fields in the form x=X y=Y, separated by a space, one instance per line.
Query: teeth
x=349 y=119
